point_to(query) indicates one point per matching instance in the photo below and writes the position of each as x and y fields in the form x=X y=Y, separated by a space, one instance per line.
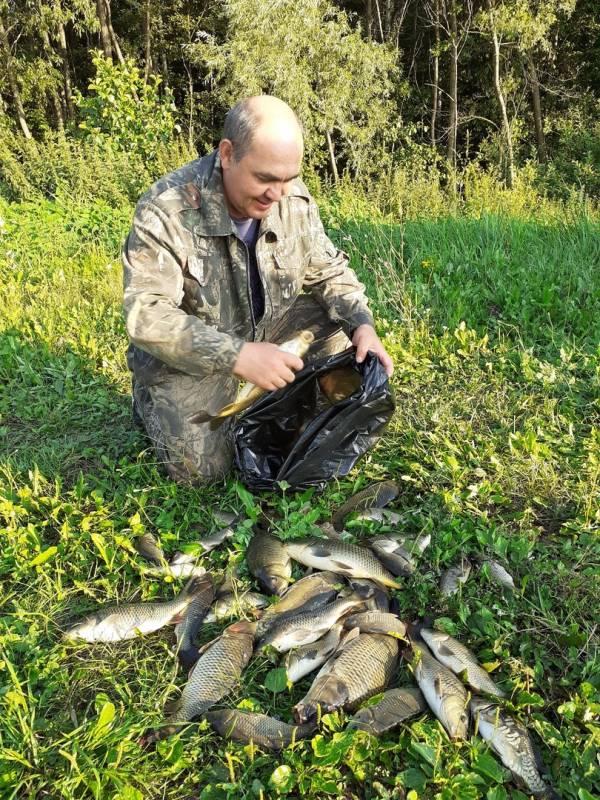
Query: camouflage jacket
x=187 y=299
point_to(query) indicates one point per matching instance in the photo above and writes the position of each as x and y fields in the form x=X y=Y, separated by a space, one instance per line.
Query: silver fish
x=216 y=673
x=382 y=515
x=395 y=706
x=238 y=603
x=263 y=731
x=225 y=518
x=454 y=576
x=307 y=627
x=499 y=575
x=377 y=622
x=301 y=661
x=249 y=392
x=269 y=561
x=148 y=547
x=362 y=667
x=342 y=557
x=510 y=741
x=445 y=694
x=126 y=621
x=310 y=592
x=187 y=630
x=376 y=598
x=376 y=495
x=177 y=569
x=454 y=655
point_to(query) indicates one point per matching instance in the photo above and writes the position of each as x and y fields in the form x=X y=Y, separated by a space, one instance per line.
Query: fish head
x=457 y=716
x=243 y=627
x=84 y=629
x=275 y=584
x=326 y=694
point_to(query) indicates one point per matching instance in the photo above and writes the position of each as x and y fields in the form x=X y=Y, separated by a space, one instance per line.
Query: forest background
x=454 y=150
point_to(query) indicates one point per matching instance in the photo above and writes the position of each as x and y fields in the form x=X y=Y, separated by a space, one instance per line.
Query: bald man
x=226 y=259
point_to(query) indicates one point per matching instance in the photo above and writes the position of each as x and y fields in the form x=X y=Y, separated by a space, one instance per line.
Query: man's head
x=261 y=153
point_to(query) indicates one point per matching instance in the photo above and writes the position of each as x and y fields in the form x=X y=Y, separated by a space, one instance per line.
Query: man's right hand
x=265 y=365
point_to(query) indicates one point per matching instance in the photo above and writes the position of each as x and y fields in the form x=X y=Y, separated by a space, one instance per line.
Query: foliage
x=495 y=443
x=306 y=52
x=124 y=112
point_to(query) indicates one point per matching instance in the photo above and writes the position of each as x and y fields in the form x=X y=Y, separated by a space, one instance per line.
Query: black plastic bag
x=296 y=435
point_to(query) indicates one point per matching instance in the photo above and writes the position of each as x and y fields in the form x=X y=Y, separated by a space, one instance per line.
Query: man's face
x=261 y=177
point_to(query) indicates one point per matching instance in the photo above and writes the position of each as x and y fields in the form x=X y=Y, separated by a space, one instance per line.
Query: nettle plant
x=124 y=112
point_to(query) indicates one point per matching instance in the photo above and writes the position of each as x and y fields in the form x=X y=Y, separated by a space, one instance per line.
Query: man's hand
x=364 y=339
x=265 y=365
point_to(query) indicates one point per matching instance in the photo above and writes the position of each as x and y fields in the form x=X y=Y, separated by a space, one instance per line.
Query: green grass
x=494 y=327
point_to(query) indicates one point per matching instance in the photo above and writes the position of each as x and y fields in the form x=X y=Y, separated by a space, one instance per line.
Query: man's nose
x=274 y=192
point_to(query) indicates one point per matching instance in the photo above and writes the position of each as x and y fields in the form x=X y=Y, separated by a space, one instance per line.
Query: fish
x=306 y=628
x=225 y=518
x=187 y=630
x=126 y=621
x=499 y=575
x=510 y=740
x=212 y=540
x=148 y=548
x=342 y=557
x=395 y=706
x=249 y=392
x=301 y=661
x=310 y=592
x=362 y=667
x=238 y=603
x=376 y=598
x=375 y=495
x=180 y=568
x=454 y=576
x=454 y=655
x=398 y=562
x=340 y=383
x=377 y=622
x=216 y=673
x=269 y=562
x=382 y=515
x=263 y=731
x=445 y=694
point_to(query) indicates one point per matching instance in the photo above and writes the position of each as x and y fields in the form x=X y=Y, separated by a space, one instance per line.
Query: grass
x=494 y=328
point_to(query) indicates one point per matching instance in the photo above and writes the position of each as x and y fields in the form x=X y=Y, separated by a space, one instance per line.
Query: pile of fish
x=338 y=619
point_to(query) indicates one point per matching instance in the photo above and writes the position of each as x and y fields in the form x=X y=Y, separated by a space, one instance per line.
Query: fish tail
x=191 y=589
x=389 y=582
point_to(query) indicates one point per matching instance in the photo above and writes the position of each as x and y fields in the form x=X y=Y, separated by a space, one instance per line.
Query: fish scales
x=445 y=694
x=187 y=630
x=308 y=593
x=376 y=495
x=454 y=655
x=262 y=730
x=395 y=706
x=342 y=557
x=301 y=661
x=357 y=671
x=377 y=622
x=510 y=740
x=269 y=562
x=454 y=576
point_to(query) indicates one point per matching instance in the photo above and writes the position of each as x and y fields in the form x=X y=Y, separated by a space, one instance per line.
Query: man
x=227 y=258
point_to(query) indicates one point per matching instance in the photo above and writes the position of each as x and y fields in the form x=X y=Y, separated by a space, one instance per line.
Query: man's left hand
x=364 y=339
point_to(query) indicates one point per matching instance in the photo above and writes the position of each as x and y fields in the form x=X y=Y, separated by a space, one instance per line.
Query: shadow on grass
x=59 y=414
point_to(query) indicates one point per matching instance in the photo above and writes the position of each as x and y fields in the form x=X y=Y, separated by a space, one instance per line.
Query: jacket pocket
x=201 y=289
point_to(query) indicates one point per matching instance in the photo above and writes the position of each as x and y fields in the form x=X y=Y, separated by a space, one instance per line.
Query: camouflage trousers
x=195 y=453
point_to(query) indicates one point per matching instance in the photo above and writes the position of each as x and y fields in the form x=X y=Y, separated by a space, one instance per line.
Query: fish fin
x=321 y=551
x=177 y=618
x=389 y=582
x=216 y=423
x=444 y=650
x=200 y=417
x=437 y=685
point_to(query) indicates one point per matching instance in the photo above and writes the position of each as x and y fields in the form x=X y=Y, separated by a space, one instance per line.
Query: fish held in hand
x=269 y=562
x=445 y=694
x=263 y=731
x=249 y=392
x=453 y=577
x=395 y=706
x=377 y=622
x=454 y=655
x=342 y=557
x=361 y=668
x=126 y=621
x=510 y=741
x=376 y=495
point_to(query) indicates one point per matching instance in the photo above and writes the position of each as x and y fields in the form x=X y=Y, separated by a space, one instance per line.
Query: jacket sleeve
x=332 y=282
x=154 y=256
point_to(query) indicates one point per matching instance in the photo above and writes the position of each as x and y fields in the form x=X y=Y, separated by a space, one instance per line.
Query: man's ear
x=226 y=153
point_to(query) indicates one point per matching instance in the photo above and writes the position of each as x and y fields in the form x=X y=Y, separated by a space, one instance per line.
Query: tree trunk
x=12 y=81
x=537 y=111
x=510 y=165
x=105 y=39
x=453 y=87
x=111 y=32
x=369 y=19
x=435 y=89
x=64 y=54
x=54 y=96
x=147 y=34
x=334 y=168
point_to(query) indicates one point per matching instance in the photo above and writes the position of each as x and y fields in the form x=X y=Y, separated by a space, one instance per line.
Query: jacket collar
x=214 y=214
